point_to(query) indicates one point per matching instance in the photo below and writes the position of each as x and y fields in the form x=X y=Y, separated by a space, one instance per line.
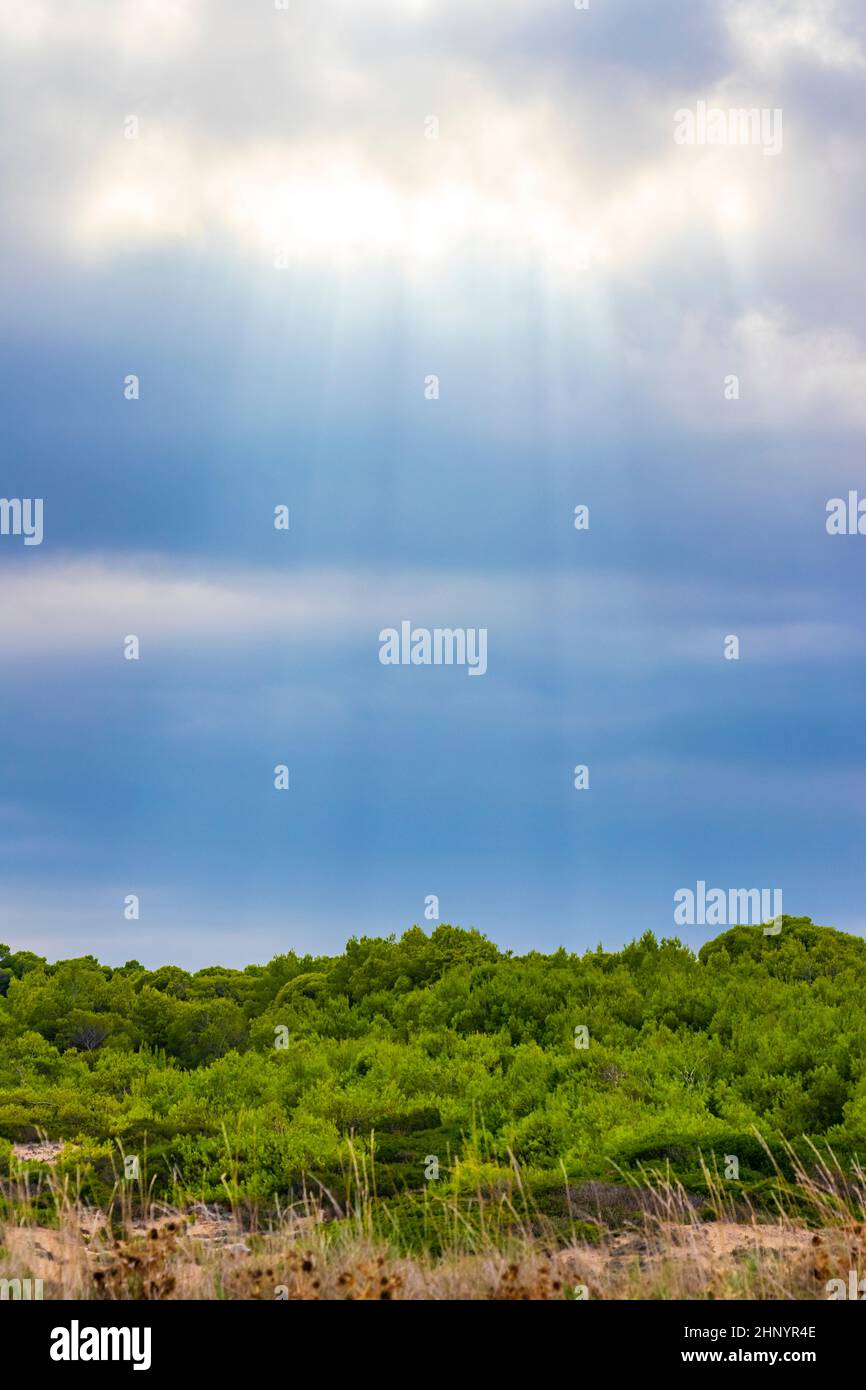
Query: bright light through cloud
x=732 y=206
x=309 y=206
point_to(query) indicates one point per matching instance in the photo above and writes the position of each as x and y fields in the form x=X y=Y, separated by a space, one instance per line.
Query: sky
x=284 y=222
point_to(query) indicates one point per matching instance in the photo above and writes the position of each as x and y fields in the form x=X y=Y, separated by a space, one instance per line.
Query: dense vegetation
x=438 y=1045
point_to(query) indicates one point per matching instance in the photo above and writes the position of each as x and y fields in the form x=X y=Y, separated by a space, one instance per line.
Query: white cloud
x=87 y=607
x=262 y=130
x=502 y=186
x=322 y=157
x=789 y=374
x=138 y=31
x=769 y=33
x=818 y=373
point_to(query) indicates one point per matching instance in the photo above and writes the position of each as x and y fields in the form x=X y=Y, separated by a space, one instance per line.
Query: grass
x=647 y=1237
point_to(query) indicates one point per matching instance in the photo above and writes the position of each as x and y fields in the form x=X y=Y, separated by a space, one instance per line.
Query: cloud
x=768 y=34
x=323 y=155
x=131 y=31
x=617 y=619
x=789 y=374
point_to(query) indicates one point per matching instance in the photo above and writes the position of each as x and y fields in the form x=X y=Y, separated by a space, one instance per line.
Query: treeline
x=442 y=1045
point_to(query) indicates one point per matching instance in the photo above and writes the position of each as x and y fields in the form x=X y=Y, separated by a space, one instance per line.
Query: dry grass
x=666 y=1250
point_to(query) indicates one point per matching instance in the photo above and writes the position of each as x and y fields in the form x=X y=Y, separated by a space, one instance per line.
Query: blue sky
x=582 y=285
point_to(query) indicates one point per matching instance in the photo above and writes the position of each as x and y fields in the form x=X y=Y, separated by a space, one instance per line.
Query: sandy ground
x=45 y=1152
x=614 y=1268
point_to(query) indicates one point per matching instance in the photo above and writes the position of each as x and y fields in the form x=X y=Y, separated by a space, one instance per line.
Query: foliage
x=438 y=1045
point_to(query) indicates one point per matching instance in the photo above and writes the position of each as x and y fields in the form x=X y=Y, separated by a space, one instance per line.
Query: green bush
x=442 y=1046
